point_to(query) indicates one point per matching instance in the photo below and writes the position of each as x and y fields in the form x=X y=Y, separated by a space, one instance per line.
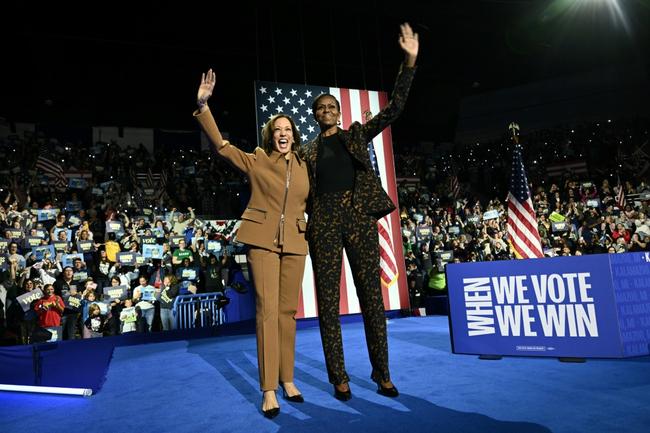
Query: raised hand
x=409 y=42
x=206 y=88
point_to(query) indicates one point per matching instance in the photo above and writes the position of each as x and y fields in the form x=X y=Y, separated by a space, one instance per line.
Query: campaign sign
x=491 y=214
x=188 y=274
x=559 y=227
x=98 y=191
x=72 y=206
x=76 y=183
x=115 y=227
x=80 y=276
x=14 y=234
x=25 y=300
x=68 y=259
x=3 y=263
x=72 y=302
x=44 y=251
x=150 y=251
x=126 y=258
x=581 y=306
x=175 y=240
x=103 y=307
x=41 y=233
x=68 y=234
x=473 y=219
x=32 y=241
x=60 y=245
x=148 y=293
x=47 y=214
x=117 y=292
x=147 y=211
x=4 y=244
x=213 y=246
x=85 y=246
x=74 y=220
x=148 y=240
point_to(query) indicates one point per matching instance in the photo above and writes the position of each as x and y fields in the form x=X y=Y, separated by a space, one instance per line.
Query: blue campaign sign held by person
x=582 y=306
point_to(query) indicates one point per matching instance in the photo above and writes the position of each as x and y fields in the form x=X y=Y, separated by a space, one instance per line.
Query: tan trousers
x=278 y=280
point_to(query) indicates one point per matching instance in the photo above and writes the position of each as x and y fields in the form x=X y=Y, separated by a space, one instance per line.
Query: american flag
x=387 y=263
x=295 y=100
x=454 y=186
x=620 y=195
x=522 y=222
x=52 y=169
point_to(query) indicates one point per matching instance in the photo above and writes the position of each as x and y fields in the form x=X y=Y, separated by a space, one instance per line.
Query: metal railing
x=199 y=311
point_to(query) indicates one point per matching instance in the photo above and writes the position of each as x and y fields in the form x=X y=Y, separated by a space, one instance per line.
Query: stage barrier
x=582 y=306
x=199 y=311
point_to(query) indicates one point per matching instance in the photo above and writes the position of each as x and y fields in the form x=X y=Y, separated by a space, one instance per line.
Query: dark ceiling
x=140 y=65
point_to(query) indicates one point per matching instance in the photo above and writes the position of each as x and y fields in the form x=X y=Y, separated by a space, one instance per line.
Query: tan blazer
x=261 y=221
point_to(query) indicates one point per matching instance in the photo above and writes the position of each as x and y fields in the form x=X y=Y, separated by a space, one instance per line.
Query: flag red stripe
x=346 y=115
x=394 y=216
x=522 y=218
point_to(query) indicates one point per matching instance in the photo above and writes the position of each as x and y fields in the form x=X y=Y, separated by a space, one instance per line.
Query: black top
x=335 y=168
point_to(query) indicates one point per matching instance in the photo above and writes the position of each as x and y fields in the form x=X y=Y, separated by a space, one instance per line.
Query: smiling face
x=326 y=111
x=282 y=135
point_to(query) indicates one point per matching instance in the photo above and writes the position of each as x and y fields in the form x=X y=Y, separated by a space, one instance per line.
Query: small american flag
x=295 y=100
x=52 y=169
x=522 y=222
x=454 y=186
x=620 y=195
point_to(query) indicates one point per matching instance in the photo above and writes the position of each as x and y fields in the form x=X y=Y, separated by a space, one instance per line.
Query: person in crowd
x=128 y=317
x=146 y=307
x=95 y=323
x=49 y=308
x=347 y=199
x=168 y=291
x=274 y=226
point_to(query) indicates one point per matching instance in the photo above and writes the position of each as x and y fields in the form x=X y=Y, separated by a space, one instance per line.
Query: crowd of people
x=96 y=275
x=577 y=212
x=62 y=240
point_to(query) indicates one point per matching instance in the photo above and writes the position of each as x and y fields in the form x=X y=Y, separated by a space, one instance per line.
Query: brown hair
x=267 y=133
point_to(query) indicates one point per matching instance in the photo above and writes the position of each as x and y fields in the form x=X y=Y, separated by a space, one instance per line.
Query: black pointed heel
x=387 y=392
x=342 y=395
x=298 y=398
x=270 y=413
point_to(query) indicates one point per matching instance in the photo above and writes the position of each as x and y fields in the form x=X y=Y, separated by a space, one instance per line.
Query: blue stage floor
x=211 y=385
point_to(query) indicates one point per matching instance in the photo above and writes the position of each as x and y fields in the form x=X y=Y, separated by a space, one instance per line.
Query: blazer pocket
x=255 y=215
x=302 y=225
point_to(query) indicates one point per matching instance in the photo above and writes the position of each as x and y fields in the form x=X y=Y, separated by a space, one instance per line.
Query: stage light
x=47 y=390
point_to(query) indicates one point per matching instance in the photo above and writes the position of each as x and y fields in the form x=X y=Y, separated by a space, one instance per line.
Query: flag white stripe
x=520 y=244
x=355 y=106
x=523 y=211
x=523 y=229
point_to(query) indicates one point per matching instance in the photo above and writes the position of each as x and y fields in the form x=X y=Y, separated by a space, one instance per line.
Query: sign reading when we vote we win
x=583 y=306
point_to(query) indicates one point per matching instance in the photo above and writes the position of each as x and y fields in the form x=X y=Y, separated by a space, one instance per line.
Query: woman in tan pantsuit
x=273 y=225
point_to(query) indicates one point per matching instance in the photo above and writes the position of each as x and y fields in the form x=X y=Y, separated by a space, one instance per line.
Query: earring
x=338 y=122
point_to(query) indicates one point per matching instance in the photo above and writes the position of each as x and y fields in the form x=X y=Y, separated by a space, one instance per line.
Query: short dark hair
x=319 y=97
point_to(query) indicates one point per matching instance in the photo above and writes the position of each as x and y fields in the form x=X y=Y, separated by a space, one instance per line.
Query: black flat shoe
x=294 y=398
x=387 y=392
x=271 y=413
x=342 y=395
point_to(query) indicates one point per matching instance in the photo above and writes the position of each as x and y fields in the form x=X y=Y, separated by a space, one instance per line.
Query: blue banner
x=562 y=307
